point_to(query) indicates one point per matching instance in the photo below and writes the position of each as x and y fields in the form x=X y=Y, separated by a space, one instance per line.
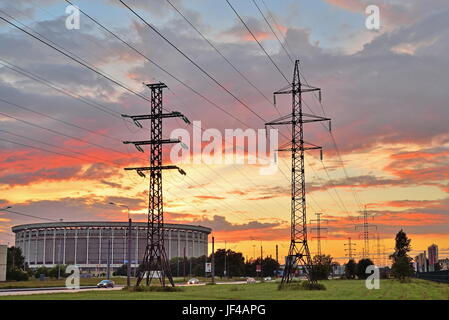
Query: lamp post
x=128 y=277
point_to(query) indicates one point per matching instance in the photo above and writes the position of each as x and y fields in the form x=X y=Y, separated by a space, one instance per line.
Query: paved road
x=28 y=291
x=17 y=292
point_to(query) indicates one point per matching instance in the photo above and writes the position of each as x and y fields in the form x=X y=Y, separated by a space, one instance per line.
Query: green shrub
x=17 y=275
x=152 y=289
x=236 y=289
x=303 y=285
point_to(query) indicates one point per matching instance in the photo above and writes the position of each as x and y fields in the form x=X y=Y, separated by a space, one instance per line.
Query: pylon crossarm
x=141 y=169
x=146 y=142
x=174 y=114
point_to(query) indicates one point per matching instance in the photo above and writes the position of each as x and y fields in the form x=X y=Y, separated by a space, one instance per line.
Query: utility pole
x=318 y=229
x=350 y=249
x=59 y=259
x=184 y=264
x=155 y=259
x=108 y=273
x=128 y=278
x=378 y=252
x=226 y=255
x=254 y=251
x=277 y=254
x=365 y=234
x=213 y=260
x=299 y=253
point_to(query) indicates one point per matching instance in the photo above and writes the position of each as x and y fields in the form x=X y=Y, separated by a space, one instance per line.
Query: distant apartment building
x=421 y=262
x=444 y=263
x=433 y=256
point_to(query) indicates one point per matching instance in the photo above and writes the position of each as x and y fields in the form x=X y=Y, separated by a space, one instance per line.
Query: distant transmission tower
x=350 y=249
x=318 y=229
x=365 y=234
x=299 y=253
x=155 y=260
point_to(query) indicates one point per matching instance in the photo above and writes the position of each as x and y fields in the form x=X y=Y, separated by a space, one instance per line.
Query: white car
x=250 y=280
x=193 y=281
x=267 y=279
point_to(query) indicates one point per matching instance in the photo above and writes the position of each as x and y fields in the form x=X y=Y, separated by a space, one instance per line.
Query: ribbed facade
x=88 y=244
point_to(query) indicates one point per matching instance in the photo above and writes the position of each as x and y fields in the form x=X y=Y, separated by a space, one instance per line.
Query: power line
x=314 y=94
x=41 y=41
x=276 y=25
x=160 y=67
x=76 y=60
x=29 y=215
x=59 y=120
x=222 y=55
x=271 y=28
x=192 y=61
x=66 y=92
x=62 y=134
x=52 y=145
x=258 y=42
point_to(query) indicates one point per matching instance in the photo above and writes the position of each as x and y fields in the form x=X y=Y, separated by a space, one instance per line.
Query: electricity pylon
x=299 y=253
x=365 y=234
x=155 y=262
x=318 y=229
x=350 y=249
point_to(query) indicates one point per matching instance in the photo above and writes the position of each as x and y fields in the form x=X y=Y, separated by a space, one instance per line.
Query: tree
x=15 y=259
x=269 y=266
x=121 y=271
x=350 y=269
x=402 y=266
x=41 y=270
x=402 y=246
x=15 y=265
x=235 y=263
x=361 y=268
x=58 y=269
x=322 y=267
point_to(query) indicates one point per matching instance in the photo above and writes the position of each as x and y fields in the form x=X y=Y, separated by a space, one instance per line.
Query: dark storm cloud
x=24 y=178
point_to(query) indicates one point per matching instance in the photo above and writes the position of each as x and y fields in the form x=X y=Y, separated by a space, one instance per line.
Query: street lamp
x=128 y=278
x=120 y=205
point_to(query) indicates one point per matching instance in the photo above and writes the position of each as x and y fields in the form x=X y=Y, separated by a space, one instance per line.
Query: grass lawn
x=336 y=289
x=36 y=283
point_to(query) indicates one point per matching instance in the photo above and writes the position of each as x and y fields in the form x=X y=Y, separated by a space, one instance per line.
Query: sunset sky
x=387 y=92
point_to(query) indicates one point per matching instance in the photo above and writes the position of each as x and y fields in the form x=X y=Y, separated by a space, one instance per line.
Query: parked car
x=250 y=280
x=193 y=281
x=267 y=279
x=105 y=284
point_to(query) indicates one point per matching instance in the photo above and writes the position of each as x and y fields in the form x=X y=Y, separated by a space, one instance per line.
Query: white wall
x=3 y=255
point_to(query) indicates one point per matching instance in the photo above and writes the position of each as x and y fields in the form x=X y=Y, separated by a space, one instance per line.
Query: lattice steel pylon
x=365 y=234
x=318 y=229
x=299 y=253
x=155 y=261
x=350 y=249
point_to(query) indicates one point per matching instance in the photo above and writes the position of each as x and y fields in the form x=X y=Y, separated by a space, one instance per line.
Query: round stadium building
x=88 y=244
